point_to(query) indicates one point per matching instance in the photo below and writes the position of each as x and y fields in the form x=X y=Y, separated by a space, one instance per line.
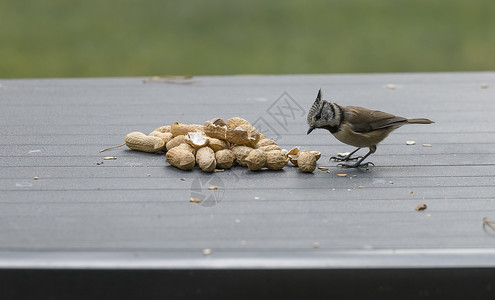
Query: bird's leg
x=358 y=163
x=347 y=157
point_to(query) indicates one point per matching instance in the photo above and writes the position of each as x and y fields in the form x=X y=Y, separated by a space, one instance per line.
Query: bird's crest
x=315 y=108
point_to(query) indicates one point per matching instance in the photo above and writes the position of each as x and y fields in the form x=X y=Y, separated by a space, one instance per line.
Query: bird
x=356 y=126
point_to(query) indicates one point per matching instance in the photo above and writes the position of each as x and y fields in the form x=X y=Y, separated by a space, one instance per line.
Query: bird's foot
x=346 y=158
x=356 y=165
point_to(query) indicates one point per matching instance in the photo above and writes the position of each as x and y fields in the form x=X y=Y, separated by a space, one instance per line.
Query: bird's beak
x=311 y=128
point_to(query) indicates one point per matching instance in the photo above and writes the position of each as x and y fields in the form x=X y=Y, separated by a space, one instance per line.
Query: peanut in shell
x=176 y=141
x=275 y=160
x=306 y=161
x=225 y=158
x=141 y=142
x=241 y=153
x=256 y=159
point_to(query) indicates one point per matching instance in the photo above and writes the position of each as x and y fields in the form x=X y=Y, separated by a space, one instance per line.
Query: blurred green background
x=64 y=38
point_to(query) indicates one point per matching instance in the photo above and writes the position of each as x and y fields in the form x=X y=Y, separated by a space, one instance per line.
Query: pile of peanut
x=218 y=145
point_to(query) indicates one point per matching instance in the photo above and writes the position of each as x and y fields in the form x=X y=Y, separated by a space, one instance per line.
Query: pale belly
x=349 y=137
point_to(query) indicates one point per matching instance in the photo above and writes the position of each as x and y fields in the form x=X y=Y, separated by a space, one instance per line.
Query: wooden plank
x=78 y=213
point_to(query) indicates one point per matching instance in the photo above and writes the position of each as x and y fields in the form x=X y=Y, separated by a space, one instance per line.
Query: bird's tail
x=419 y=121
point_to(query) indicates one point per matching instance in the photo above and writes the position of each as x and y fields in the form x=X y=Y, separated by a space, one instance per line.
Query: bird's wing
x=365 y=120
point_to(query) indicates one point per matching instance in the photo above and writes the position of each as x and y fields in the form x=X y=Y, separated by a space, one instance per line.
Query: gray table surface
x=134 y=212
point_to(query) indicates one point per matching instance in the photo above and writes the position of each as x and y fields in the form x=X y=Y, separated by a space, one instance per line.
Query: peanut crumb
x=421 y=207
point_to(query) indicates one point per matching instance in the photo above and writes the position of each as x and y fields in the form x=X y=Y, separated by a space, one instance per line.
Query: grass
x=59 y=38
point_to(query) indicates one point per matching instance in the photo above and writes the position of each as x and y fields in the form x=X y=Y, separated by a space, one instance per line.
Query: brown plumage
x=355 y=126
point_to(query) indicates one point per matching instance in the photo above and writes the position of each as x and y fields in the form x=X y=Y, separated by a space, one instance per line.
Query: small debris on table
x=110 y=158
x=218 y=170
x=36 y=178
x=421 y=207
x=390 y=86
x=323 y=168
x=183 y=179
x=113 y=147
x=206 y=251
x=391 y=182
x=316 y=245
x=411 y=192
x=343 y=154
x=361 y=187
x=213 y=188
x=426 y=145
x=484 y=85
x=410 y=142
x=488 y=223
x=149 y=175
x=194 y=200
x=342 y=175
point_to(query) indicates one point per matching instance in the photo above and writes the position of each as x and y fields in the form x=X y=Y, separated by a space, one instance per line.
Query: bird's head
x=322 y=114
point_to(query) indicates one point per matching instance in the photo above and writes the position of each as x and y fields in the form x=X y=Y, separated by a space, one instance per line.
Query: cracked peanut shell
x=205 y=158
x=216 y=128
x=180 y=158
x=182 y=129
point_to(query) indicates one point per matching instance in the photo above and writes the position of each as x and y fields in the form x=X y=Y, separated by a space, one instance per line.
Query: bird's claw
x=335 y=158
x=365 y=165
x=355 y=158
